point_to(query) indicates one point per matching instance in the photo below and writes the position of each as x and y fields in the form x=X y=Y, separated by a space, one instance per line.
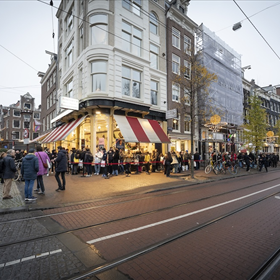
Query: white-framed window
x=7 y=135
x=187 y=67
x=99 y=28
x=187 y=45
x=99 y=75
x=187 y=123
x=69 y=22
x=69 y=89
x=176 y=124
x=51 y=81
x=131 y=38
x=69 y=55
x=7 y=123
x=44 y=124
x=175 y=38
x=131 y=82
x=48 y=85
x=16 y=123
x=54 y=77
x=154 y=92
x=175 y=64
x=153 y=23
x=132 y=5
x=154 y=52
x=15 y=135
x=16 y=113
x=175 y=92
x=27 y=106
x=187 y=96
x=48 y=102
x=36 y=115
x=48 y=121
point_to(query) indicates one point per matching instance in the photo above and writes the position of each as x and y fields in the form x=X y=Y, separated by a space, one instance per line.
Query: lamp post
x=26 y=126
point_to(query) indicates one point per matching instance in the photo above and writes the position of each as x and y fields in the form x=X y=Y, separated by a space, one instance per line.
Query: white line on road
x=30 y=258
x=177 y=218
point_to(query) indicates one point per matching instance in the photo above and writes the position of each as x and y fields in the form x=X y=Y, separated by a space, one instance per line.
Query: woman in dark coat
x=168 y=161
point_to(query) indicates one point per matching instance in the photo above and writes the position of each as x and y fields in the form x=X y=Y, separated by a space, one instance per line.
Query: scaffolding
x=225 y=95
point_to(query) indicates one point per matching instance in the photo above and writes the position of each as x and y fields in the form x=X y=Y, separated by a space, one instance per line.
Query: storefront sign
x=120 y=144
x=69 y=103
x=26 y=133
x=171 y=114
x=218 y=136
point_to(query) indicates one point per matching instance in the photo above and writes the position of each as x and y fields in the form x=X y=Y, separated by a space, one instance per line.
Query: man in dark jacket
x=29 y=169
x=9 y=173
x=61 y=168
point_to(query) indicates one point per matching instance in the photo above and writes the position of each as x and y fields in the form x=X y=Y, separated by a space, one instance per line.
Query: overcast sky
x=27 y=26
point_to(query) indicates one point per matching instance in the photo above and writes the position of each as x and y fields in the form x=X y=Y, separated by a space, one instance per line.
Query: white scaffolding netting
x=225 y=95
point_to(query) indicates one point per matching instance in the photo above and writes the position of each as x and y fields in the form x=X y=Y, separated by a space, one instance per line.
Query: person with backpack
x=75 y=161
x=2 y=166
x=88 y=162
x=61 y=168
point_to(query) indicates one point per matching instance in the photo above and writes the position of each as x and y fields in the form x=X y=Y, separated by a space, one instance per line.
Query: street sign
x=171 y=114
x=26 y=141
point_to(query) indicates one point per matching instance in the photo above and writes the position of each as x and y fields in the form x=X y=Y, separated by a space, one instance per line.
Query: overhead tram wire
x=250 y=16
x=257 y=30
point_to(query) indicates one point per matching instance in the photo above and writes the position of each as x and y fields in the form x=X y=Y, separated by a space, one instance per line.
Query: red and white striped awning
x=39 y=138
x=61 y=132
x=141 y=130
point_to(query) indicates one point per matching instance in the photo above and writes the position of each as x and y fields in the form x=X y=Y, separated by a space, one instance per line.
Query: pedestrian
x=115 y=167
x=88 y=162
x=147 y=160
x=43 y=169
x=121 y=155
x=263 y=162
x=61 y=168
x=110 y=159
x=247 y=161
x=168 y=162
x=29 y=169
x=174 y=162
x=127 y=160
x=104 y=162
x=9 y=173
x=97 y=161
x=197 y=160
x=153 y=160
x=53 y=156
x=2 y=166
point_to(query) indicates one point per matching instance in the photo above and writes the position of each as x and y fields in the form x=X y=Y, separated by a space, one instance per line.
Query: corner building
x=110 y=59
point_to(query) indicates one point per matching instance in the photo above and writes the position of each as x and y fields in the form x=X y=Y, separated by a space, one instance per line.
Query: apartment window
x=154 y=51
x=7 y=135
x=132 y=5
x=153 y=23
x=132 y=39
x=81 y=40
x=48 y=121
x=131 y=82
x=44 y=124
x=48 y=85
x=175 y=38
x=15 y=135
x=36 y=116
x=175 y=124
x=16 y=124
x=187 y=67
x=7 y=123
x=69 y=55
x=51 y=81
x=69 y=89
x=154 y=92
x=99 y=75
x=54 y=77
x=187 y=96
x=99 y=28
x=187 y=124
x=175 y=92
x=27 y=106
x=16 y=113
x=35 y=135
x=48 y=102
x=175 y=64
x=187 y=45
x=69 y=22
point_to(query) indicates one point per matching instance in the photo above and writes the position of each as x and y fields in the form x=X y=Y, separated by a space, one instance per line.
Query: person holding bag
x=43 y=160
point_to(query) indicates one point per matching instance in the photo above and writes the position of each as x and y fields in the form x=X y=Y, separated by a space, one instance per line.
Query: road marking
x=30 y=258
x=178 y=217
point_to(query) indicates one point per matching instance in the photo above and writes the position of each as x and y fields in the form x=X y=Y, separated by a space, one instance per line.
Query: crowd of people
x=251 y=160
x=36 y=164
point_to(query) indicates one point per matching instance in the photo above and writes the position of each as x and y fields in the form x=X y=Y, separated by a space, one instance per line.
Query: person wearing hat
x=9 y=173
x=29 y=169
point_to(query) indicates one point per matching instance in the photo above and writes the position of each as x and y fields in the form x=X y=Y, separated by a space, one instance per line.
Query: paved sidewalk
x=86 y=189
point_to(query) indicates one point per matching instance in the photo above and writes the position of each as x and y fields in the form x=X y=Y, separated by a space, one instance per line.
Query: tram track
x=134 y=200
x=113 y=264
x=26 y=240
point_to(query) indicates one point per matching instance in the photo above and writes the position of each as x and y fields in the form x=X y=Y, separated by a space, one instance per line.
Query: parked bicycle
x=209 y=167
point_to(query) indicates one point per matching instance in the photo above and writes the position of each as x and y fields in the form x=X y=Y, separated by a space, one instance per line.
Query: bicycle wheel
x=208 y=169
x=17 y=175
x=216 y=170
